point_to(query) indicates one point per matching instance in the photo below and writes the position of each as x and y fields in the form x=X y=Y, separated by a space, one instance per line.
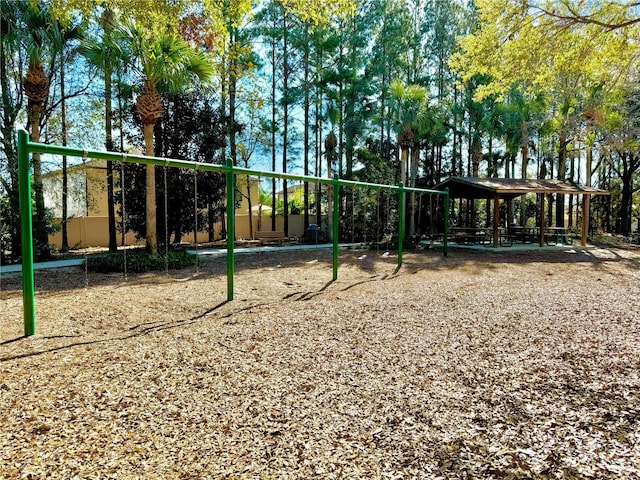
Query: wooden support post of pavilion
x=585 y=219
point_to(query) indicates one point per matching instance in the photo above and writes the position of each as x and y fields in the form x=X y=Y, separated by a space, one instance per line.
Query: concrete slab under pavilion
x=505 y=189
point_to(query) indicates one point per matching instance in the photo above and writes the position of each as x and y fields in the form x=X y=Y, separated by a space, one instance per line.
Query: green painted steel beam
x=208 y=167
x=25 y=147
x=26 y=235
x=231 y=229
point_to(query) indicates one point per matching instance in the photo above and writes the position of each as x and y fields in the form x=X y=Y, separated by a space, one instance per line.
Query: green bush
x=606 y=241
x=139 y=261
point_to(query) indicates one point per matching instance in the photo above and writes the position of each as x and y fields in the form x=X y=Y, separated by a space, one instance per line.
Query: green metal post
x=231 y=228
x=336 y=210
x=401 y=203
x=26 y=232
x=445 y=241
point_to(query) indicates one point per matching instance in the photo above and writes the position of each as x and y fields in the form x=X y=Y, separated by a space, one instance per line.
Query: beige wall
x=296 y=225
x=94 y=231
x=90 y=232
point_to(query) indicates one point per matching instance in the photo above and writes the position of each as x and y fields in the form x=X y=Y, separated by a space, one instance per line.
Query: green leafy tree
x=524 y=42
x=407 y=102
x=12 y=102
x=560 y=50
x=621 y=149
x=388 y=60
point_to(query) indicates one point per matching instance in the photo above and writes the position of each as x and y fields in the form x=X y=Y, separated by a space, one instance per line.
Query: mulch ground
x=478 y=365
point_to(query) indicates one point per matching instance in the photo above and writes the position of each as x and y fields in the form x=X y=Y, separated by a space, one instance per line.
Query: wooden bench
x=270 y=237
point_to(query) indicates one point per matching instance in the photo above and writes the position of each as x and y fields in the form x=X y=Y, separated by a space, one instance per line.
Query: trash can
x=311 y=235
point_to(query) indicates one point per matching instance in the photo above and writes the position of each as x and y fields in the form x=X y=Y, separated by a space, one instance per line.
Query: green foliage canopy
x=537 y=43
x=158 y=16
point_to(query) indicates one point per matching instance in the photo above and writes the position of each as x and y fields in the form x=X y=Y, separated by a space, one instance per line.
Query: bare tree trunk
x=40 y=223
x=273 y=129
x=318 y=198
x=455 y=137
x=572 y=168
x=562 y=174
x=415 y=153
x=65 y=176
x=107 y=20
x=588 y=172
x=329 y=152
x=150 y=196
x=476 y=157
x=306 y=129
x=403 y=165
x=318 y=154
x=382 y=112
x=285 y=122
x=524 y=150
x=250 y=205
x=233 y=67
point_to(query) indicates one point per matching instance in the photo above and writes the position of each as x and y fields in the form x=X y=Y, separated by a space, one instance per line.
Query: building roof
x=474 y=187
x=291 y=189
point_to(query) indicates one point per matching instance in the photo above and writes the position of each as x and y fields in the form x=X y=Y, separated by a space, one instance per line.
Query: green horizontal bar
x=123 y=157
x=208 y=167
x=329 y=181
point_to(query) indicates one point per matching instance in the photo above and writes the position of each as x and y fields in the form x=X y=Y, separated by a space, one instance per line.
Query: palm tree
x=166 y=63
x=408 y=101
x=38 y=42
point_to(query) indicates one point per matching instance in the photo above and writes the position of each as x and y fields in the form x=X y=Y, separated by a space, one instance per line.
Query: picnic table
x=557 y=236
x=524 y=234
x=468 y=235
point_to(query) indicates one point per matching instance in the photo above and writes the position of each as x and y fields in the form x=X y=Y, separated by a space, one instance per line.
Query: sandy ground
x=478 y=365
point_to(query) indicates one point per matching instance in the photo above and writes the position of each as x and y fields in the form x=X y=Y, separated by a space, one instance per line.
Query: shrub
x=139 y=261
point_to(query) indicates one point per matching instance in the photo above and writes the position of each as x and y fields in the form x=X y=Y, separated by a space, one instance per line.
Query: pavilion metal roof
x=474 y=187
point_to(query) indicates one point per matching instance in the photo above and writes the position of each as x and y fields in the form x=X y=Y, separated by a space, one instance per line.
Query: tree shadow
x=414 y=262
x=59 y=282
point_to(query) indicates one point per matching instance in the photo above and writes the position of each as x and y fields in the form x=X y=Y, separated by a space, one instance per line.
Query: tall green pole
x=231 y=228
x=401 y=204
x=445 y=241
x=26 y=232
x=334 y=226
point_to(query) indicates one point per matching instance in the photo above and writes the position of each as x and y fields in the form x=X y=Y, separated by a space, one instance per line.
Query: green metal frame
x=25 y=146
x=26 y=232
